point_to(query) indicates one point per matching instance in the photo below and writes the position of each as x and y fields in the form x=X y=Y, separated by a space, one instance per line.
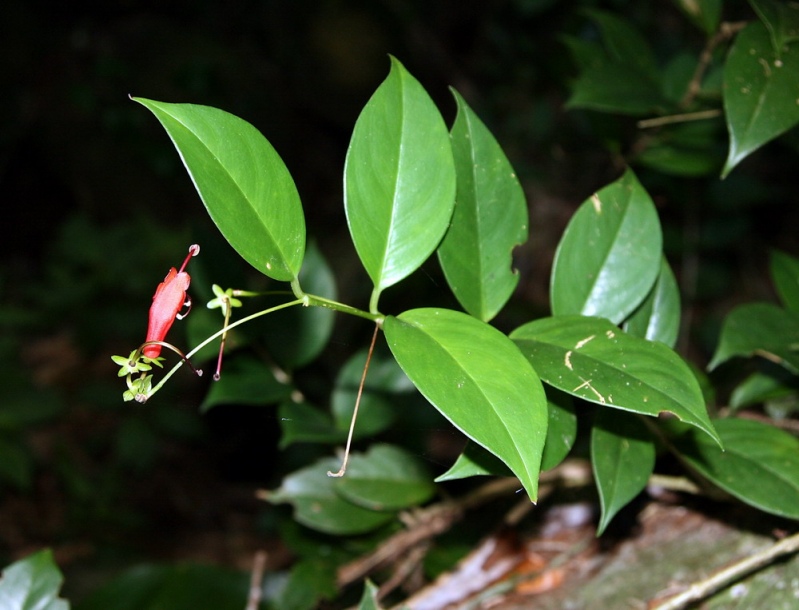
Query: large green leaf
x=386 y=478
x=399 y=180
x=781 y=19
x=32 y=584
x=760 y=93
x=476 y=377
x=317 y=505
x=760 y=463
x=489 y=220
x=785 y=275
x=243 y=183
x=609 y=256
x=760 y=329
x=595 y=360
x=301 y=422
x=658 y=317
x=622 y=457
x=622 y=41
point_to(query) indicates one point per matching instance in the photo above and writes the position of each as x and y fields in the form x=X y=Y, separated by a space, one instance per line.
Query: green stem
x=249 y=318
x=312 y=299
x=302 y=299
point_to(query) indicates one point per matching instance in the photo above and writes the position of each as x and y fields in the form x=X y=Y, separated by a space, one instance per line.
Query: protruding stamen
x=194 y=250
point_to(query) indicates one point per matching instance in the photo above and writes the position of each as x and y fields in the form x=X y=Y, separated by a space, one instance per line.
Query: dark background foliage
x=96 y=207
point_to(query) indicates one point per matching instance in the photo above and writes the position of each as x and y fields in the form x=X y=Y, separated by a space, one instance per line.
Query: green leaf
x=763 y=386
x=297 y=335
x=690 y=149
x=385 y=385
x=623 y=42
x=310 y=581
x=760 y=464
x=623 y=77
x=32 y=584
x=760 y=329
x=760 y=93
x=489 y=220
x=474 y=461
x=610 y=254
x=399 y=180
x=622 y=458
x=658 y=317
x=317 y=505
x=369 y=598
x=243 y=183
x=476 y=378
x=176 y=587
x=781 y=19
x=704 y=13
x=785 y=275
x=561 y=434
x=616 y=88
x=303 y=423
x=245 y=381
x=562 y=428
x=386 y=478
x=592 y=359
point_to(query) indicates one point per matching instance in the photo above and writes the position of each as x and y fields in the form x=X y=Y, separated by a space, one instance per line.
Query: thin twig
x=726 y=31
x=704 y=588
x=685 y=117
x=256 y=578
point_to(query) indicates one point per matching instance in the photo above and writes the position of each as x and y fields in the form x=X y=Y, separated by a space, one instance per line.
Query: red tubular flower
x=168 y=299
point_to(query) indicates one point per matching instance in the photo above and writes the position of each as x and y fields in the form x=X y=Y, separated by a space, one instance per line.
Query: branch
x=704 y=588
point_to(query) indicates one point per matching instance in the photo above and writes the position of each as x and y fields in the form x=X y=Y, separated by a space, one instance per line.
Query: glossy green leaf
x=760 y=464
x=760 y=329
x=32 y=583
x=176 y=587
x=297 y=335
x=658 y=317
x=592 y=359
x=610 y=254
x=303 y=423
x=386 y=478
x=706 y=14
x=384 y=387
x=622 y=458
x=760 y=93
x=785 y=275
x=317 y=505
x=245 y=381
x=781 y=19
x=489 y=220
x=243 y=183
x=476 y=377
x=399 y=180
